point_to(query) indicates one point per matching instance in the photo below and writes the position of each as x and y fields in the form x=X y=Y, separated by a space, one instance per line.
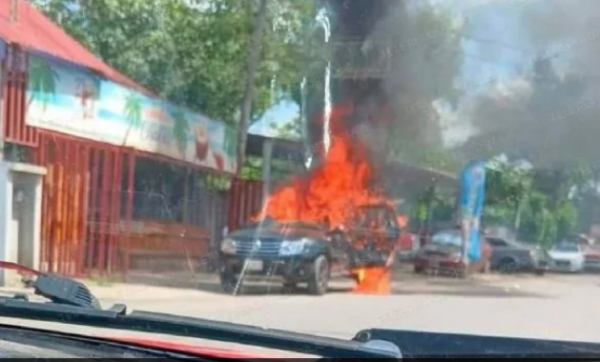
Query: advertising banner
x=472 y=199
x=75 y=101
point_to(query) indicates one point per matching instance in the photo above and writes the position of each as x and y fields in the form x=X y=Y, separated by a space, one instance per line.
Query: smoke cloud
x=548 y=114
x=421 y=47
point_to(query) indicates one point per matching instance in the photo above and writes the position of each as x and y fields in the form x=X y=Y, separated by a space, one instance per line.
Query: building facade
x=98 y=175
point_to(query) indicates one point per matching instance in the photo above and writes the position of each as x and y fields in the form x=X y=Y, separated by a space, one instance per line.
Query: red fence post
x=92 y=217
x=84 y=171
x=130 y=195
x=104 y=211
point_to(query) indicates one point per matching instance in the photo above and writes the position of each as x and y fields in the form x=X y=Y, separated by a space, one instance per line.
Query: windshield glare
x=567 y=247
x=139 y=136
x=447 y=238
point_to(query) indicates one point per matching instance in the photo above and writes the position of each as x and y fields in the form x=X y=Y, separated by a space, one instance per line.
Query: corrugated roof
x=34 y=31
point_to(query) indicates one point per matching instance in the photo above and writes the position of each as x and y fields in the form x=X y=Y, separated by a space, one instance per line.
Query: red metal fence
x=82 y=202
x=244 y=202
x=14 y=94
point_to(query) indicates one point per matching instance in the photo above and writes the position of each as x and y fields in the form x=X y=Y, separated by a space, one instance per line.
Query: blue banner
x=471 y=208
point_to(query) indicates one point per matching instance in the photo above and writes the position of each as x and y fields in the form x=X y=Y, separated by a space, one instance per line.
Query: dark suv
x=301 y=252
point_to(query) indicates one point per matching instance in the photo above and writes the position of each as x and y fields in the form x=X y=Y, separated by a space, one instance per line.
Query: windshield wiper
x=72 y=302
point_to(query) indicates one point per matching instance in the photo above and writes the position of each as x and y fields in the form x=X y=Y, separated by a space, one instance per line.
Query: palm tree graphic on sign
x=42 y=82
x=133 y=113
x=181 y=129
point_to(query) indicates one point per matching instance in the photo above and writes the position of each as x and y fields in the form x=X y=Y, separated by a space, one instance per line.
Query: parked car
x=591 y=255
x=567 y=257
x=443 y=253
x=299 y=252
x=407 y=246
x=510 y=256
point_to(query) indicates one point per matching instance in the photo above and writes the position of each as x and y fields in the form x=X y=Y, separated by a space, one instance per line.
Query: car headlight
x=293 y=247
x=228 y=246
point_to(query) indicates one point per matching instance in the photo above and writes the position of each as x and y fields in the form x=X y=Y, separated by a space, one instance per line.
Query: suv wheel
x=540 y=272
x=289 y=287
x=487 y=267
x=507 y=266
x=463 y=272
x=229 y=283
x=319 y=279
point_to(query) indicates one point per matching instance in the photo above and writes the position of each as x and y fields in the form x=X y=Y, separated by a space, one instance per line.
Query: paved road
x=554 y=306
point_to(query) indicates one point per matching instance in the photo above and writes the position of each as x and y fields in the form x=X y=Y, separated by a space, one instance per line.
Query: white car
x=567 y=257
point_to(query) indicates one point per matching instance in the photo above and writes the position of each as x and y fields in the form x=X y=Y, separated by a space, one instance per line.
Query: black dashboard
x=16 y=342
x=427 y=345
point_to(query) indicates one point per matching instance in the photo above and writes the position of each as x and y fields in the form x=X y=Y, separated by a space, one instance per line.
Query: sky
x=491 y=50
x=492 y=47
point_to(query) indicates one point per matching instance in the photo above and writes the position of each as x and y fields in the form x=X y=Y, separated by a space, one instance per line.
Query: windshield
x=450 y=238
x=149 y=146
x=567 y=248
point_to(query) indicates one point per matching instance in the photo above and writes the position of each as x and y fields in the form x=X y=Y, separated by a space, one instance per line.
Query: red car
x=443 y=253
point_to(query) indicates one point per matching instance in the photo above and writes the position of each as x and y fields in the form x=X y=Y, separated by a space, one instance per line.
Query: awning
x=282 y=149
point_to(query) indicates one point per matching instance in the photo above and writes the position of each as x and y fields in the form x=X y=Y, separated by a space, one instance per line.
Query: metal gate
x=245 y=201
x=82 y=204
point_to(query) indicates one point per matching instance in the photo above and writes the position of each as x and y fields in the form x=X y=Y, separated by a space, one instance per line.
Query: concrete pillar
x=6 y=206
x=37 y=222
x=267 y=157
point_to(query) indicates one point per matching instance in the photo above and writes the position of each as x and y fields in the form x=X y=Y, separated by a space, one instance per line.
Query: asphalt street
x=553 y=306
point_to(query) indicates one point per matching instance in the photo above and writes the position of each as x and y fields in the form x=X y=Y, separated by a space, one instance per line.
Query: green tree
x=291 y=130
x=538 y=204
x=193 y=52
x=508 y=189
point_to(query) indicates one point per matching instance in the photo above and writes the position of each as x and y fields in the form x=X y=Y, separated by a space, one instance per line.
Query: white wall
x=28 y=179
x=6 y=200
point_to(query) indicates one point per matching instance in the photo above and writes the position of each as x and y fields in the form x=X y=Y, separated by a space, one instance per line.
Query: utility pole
x=253 y=59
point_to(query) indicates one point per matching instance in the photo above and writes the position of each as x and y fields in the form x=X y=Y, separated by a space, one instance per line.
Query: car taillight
x=456 y=257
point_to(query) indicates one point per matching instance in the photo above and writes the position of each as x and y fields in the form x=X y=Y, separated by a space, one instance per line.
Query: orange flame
x=374 y=281
x=332 y=192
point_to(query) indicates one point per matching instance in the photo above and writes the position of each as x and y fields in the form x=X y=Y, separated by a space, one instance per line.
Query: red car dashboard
x=16 y=342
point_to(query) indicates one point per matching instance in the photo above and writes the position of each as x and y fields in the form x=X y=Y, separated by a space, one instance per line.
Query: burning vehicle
x=311 y=253
x=332 y=221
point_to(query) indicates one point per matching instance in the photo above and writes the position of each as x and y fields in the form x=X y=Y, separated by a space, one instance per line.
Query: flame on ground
x=373 y=280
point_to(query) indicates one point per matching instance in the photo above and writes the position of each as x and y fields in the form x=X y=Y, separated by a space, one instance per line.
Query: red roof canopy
x=34 y=31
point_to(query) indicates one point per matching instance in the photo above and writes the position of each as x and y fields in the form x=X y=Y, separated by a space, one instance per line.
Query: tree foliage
x=291 y=130
x=193 y=52
x=541 y=205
